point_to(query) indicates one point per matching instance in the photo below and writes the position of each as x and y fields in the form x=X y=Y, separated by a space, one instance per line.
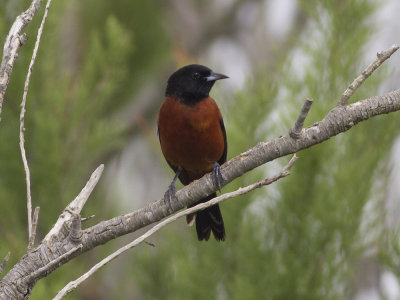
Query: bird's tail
x=207 y=220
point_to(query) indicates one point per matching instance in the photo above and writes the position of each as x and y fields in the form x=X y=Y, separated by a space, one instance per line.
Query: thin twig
x=87 y=218
x=74 y=284
x=4 y=262
x=381 y=57
x=31 y=243
x=295 y=132
x=150 y=244
x=22 y=118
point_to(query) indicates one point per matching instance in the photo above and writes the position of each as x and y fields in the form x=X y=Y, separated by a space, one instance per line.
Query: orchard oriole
x=193 y=139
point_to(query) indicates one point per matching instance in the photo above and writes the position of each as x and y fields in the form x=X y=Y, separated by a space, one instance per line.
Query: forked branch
x=74 y=284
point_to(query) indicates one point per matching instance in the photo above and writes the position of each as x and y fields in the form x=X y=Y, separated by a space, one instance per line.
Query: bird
x=193 y=139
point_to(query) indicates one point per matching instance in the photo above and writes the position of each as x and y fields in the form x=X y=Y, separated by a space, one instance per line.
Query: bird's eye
x=196 y=75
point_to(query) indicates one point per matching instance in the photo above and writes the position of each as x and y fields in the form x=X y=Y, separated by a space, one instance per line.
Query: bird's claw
x=217 y=176
x=170 y=194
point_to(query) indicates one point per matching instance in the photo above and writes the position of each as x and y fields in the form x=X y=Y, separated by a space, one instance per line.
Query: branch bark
x=35 y=221
x=15 y=283
x=295 y=132
x=15 y=39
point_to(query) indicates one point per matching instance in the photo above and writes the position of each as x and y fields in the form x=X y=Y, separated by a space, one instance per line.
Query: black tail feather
x=210 y=220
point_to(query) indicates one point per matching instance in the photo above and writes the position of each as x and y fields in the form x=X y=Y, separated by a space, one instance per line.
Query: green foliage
x=146 y=19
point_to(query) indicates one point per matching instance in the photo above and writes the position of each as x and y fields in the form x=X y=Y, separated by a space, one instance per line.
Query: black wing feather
x=222 y=160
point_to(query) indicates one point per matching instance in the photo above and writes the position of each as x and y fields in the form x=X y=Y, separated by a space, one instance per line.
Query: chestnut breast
x=191 y=136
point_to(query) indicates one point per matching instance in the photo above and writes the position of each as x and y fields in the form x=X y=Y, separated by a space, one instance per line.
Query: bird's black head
x=192 y=83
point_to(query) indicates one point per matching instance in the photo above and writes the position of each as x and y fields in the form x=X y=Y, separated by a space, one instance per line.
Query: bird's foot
x=170 y=194
x=217 y=175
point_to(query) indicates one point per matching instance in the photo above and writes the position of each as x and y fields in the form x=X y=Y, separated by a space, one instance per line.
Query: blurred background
x=328 y=231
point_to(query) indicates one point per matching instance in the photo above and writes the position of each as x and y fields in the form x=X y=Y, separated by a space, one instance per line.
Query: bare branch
x=52 y=264
x=75 y=206
x=22 y=118
x=35 y=220
x=4 y=262
x=298 y=126
x=381 y=57
x=75 y=234
x=15 y=39
x=285 y=172
x=27 y=172
x=74 y=284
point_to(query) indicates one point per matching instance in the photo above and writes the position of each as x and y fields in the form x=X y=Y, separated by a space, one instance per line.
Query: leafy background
x=329 y=231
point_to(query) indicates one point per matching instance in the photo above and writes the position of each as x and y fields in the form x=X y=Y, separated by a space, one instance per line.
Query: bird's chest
x=191 y=136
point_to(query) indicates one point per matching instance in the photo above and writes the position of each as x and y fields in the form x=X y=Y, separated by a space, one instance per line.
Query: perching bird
x=193 y=139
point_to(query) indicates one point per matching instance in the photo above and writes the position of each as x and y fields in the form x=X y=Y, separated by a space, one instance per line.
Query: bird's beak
x=216 y=76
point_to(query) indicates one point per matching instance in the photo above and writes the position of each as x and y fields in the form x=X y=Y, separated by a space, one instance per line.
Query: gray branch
x=35 y=220
x=20 y=280
x=15 y=39
x=295 y=132
x=381 y=58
